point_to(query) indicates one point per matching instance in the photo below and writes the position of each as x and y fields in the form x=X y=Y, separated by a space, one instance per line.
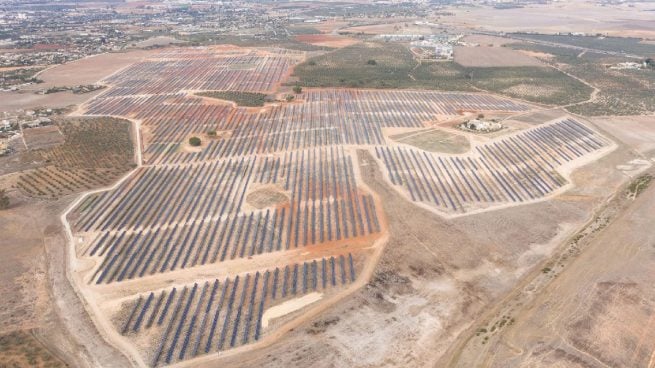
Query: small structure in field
x=481 y=125
x=629 y=65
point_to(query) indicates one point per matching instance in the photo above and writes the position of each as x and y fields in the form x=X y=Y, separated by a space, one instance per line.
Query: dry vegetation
x=19 y=349
x=597 y=308
x=434 y=140
x=266 y=197
x=18 y=76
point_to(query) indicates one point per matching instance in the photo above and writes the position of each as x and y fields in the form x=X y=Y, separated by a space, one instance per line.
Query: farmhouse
x=482 y=125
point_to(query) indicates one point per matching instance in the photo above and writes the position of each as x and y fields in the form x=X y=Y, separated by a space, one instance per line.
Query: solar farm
x=207 y=251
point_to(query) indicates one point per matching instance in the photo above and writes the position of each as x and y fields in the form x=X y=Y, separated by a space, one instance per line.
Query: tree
x=195 y=141
x=371 y=62
x=211 y=133
x=4 y=200
x=297 y=89
x=650 y=63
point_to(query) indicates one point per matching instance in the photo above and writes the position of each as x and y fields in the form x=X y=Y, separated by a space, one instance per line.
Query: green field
x=395 y=67
x=249 y=99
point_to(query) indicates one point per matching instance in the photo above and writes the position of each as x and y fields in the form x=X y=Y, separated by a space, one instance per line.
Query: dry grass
x=43 y=137
x=484 y=40
x=20 y=349
x=89 y=70
x=434 y=140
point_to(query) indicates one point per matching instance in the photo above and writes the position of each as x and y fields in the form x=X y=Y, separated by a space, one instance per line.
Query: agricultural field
x=42 y=137
x=279 y=40
x=76 y=154
x=608 y=19
x=227 y=246
x=487 y=57
x=395 y=67
x=348 y=67
x=620 y=92
x=628 y=45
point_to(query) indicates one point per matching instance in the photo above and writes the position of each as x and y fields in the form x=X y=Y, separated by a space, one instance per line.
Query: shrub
x=372 y=62
x=195 y=141
x=4 y=200
x=297 y=89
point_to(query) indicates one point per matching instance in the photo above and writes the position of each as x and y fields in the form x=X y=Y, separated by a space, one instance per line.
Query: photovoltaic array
x=199 y=210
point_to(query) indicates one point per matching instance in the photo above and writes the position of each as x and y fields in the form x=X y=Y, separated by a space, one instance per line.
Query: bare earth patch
x=266 y=197
x=484 y=40
x=326 y=40
x=43 y=137
x=88 y=70
x=289 y=306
